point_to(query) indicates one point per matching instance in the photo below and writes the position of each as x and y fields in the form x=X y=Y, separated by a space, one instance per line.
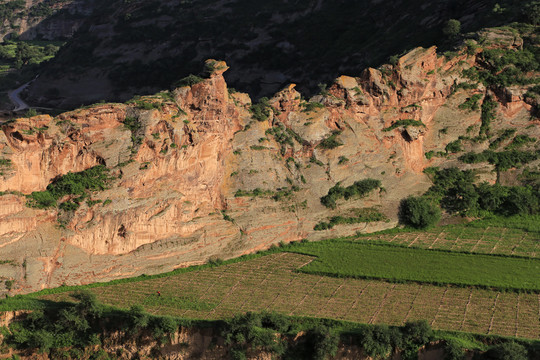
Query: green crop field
x=396 y=263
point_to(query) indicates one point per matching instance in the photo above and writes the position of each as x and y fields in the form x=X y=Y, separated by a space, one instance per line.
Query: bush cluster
x=261 y=111
x=82 y=324
x=189 y=80
x=358 y=189
x=456 y=192
x=419 y=212
x=488 y=115
x=506 y=134
x=285 y=136
x=272 y=332
x=310 y=106
x=471 y=103
x=77 y=185
x=506 y=67
x=331 y=142
x=502 y=160
x=276 y=195
x=361 y=216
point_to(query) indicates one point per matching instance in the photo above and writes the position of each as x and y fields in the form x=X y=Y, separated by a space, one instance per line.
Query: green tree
x=507 y=351
x=531 y=12
x=452 y=28
x=418 y=212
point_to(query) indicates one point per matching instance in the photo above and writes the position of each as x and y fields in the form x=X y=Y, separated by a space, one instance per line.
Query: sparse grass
x=355 y=216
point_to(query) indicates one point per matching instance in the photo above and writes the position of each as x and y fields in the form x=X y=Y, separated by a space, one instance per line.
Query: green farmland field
x=396 y=263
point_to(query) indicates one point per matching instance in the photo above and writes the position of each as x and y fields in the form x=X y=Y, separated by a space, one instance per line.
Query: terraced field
x=271 y=283
x=491 y=240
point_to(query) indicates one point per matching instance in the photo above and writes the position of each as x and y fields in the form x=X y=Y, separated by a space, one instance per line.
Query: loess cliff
x=201 y=172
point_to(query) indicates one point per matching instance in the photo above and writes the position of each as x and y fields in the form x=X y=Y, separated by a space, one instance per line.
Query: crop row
x=500 y=241
x=271 y=283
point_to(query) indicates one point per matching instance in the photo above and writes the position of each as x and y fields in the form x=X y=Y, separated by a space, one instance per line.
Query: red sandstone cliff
x=176 y=175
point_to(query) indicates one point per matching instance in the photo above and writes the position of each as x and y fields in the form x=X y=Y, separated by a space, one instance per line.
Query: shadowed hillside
x=137 y=47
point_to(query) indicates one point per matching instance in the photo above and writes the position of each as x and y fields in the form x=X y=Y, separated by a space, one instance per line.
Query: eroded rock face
x=178 y=159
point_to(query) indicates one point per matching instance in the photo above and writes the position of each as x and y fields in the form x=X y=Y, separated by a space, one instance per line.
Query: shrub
x=454 y=147
x=418 y=212
x=503 y=160
x=359 y=188
x=331 y=142
x=453 y=351
x=93 y=179
x=379 y=341
x=507 y=351
x=41 y=200
x=189 y=80
x=261 y=111
x=343 y=160
x=362 y=216
x=452 y=28
x=310 y=106
x=163 y=325
x=488 y=115
x=471 y=103
x=323 y=342
x=491 y=197
x=404 y=123
x=520 y=200
x=417 y=332
x=520 y=141
x=257 y=330
x=132 y=124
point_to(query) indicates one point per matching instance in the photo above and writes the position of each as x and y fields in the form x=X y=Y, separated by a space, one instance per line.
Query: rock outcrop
x=201 y=172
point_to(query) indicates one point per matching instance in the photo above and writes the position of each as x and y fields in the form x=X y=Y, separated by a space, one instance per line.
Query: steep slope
x=202 y=172
x=140 y=47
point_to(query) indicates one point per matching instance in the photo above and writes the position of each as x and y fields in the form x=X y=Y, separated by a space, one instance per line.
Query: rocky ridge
x=197 y=174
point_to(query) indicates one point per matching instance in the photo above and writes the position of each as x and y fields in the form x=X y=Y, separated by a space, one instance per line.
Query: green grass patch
x=400 y=264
